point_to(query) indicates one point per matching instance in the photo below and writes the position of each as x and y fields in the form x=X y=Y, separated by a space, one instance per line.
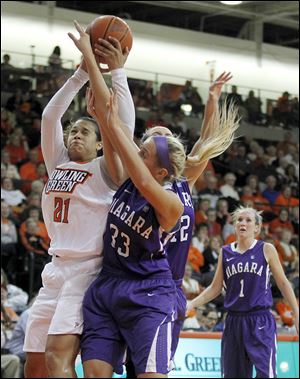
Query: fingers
x=78 y=27
x=73 y=38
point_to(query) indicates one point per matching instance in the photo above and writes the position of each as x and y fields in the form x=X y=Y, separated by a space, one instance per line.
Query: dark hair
x=56 y=50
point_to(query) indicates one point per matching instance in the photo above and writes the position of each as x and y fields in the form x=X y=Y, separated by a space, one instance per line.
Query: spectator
x=6 y=62
x=201 y=212
x=290 y=252
x=285 y=200
x=229 y=192
x=222 y=211
x=211 y=192
x=55 y=61
x=34 y=243
x=210 y=255
x=253 y=107
x=9 y=239
x=214 y=228
x=12 y=196
x=282 y=111
x=241 y=165
x=294 y=111
x=17 y=148
x=190 y=95
x=280 y=223
x=270 y=192
x=190 y=286
x=12 y=296
x=197 y=322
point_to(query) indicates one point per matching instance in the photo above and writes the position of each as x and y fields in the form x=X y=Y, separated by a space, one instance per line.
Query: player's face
x=82 y=142
x=245 y=226
x=149 y=156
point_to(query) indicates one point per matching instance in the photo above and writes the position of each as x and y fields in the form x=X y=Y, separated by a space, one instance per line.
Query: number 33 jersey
x=75 y=203
x=246 y=278
x=133 y=243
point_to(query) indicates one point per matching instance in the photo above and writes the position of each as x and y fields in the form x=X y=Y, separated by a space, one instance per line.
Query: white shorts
x=58 y=306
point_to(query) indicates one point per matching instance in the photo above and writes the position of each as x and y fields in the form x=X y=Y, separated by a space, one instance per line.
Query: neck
x=244 y=244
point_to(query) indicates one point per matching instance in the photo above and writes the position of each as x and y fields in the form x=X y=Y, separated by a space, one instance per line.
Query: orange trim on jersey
x=218 y=335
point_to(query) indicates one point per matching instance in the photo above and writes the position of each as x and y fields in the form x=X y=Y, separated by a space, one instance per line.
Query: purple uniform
x=249 y=336
x=134 y=299
x=177 y=248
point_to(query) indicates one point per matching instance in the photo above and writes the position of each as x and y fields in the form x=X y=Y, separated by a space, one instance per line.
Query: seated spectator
x=285 y=200
x=28 y=171
x=10 y=366
x=201 y=212
x=281 y=222
x=288 y=140
x=35 y=213
x=17 y=148
x=189 y=95
x=285 y=312
x=197 y=322
x=214 y=228
x=222 y=211
x=178 y=126
x=289 y=251
x=200 y=239
x=253 y=107
x=270 y=193
x=35 y=104
x=12 y=196
x=241 y=165
x=271 y=152
x=34 y=243
x=211 y=320
x=295 y=221
x=211 y=191
x=190 y=286
x=291 y=179
x=12 y=296
x=210 y=255
x=229 y=192
x=195 y=260
x=14 y=102
x=9 y=239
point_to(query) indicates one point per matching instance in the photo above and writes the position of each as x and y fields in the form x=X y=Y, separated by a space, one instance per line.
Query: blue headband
x=162 y=151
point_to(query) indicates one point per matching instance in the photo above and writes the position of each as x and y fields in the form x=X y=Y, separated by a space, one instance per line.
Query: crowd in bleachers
x=258 y=173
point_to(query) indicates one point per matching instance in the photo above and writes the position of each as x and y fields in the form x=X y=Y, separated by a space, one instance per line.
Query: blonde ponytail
x=223 y=126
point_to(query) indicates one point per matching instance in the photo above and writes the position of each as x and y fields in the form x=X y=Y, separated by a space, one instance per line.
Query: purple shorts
x=249 y=339
x=138 y=313
x=181 y=309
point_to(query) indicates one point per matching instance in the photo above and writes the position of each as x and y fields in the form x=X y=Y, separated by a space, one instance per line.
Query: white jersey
x=75 y=204
x=76 y=198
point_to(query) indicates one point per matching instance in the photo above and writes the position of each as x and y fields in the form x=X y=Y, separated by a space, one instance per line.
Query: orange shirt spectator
x=195 y=258
x=17 y=149
x=285 y=200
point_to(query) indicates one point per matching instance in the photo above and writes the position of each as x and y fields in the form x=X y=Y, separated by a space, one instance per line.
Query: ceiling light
x=231 y=2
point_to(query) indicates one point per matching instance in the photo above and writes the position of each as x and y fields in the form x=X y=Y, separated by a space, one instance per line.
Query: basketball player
x=249 y=336
x=177 y=248
x=75 y=203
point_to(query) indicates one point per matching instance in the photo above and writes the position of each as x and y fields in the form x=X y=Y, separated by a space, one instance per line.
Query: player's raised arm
x=217 y=131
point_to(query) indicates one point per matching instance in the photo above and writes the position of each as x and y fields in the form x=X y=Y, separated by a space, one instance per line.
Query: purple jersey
x=246 y=278
x=133 y=244
x=178 y=246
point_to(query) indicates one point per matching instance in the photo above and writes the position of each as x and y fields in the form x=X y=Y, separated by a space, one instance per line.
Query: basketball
x=113 y=26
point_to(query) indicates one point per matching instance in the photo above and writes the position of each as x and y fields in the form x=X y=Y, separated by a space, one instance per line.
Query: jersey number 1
x=61 y=210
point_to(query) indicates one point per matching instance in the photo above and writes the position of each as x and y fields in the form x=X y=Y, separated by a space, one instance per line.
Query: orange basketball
x=113 y=26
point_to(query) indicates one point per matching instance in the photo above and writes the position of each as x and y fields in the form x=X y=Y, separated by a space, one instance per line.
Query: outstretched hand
x=83 y=42
x=216 y=87
x=111 y=51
